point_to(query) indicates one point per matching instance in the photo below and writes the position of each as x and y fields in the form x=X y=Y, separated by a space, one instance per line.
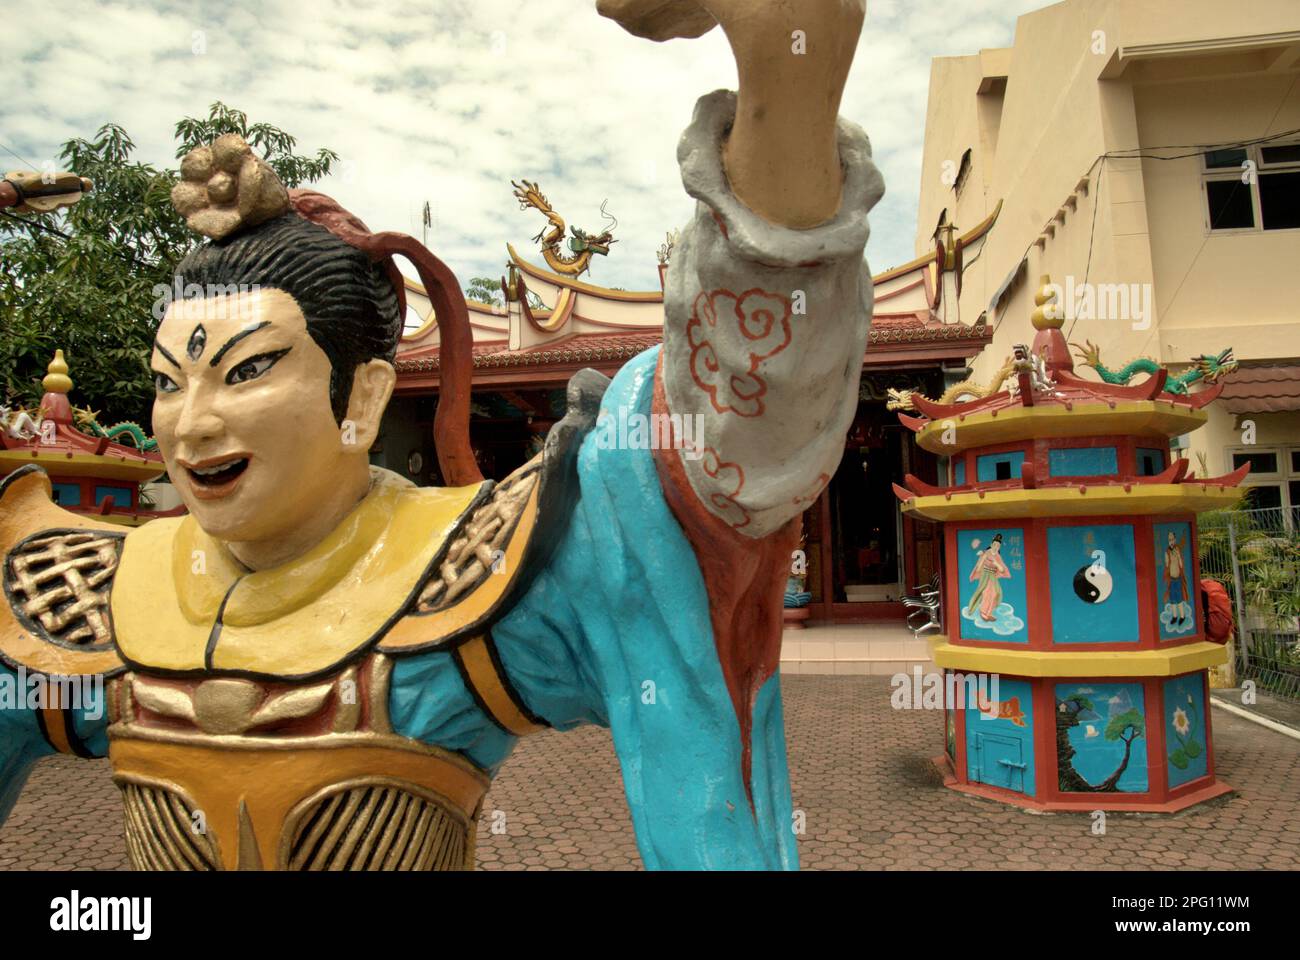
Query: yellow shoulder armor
x=489 y=561
x=58 y=570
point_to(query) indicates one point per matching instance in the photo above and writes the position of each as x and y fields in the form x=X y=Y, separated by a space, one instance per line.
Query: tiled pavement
x=860 y=773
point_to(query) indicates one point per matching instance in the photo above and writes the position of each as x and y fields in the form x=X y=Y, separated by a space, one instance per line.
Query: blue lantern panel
x=992 y=587
x=67 y=494
x=120 y=496
x=1093 y=576
x=1083 y=462
x=1105 y=736
x=1000 y=737
x=1186 y=741
x=958 y=471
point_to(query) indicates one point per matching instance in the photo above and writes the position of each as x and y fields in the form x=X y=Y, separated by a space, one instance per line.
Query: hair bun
x=225 y=188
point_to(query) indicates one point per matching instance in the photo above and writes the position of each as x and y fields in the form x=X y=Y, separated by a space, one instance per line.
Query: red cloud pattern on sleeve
x=756 y=324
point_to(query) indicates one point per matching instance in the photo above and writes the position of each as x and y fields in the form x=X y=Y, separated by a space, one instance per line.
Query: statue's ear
x=372 y=386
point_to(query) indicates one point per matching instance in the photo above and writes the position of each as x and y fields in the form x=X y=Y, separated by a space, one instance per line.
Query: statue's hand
x=792 y=59
x=741 y=19
x=658 y=19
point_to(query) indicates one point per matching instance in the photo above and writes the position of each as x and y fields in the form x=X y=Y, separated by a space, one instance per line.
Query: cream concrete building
x=1153 y=144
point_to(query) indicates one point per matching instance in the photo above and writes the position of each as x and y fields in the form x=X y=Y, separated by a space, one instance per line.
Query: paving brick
x=859 y=771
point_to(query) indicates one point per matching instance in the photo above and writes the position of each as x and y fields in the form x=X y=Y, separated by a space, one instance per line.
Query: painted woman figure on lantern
x=322 y=666
x=986 y=573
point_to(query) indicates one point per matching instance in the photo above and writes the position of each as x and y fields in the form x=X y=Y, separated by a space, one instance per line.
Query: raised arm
x=768 y=299
x=659 y=613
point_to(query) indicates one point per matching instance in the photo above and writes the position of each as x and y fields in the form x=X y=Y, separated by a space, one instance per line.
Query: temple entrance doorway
x=866 y=523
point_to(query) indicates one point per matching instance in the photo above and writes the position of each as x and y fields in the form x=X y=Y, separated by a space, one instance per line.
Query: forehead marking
x=198 y=340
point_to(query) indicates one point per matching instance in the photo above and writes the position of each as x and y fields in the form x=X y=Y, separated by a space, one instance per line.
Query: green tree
x=1126 y=727
x=83 y=279
x=484 y=290
x=487 y=290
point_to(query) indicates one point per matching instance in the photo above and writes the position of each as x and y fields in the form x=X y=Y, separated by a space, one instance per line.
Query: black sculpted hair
x=348 y=300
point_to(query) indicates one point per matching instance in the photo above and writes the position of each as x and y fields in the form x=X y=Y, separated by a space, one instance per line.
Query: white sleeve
x=765 y=331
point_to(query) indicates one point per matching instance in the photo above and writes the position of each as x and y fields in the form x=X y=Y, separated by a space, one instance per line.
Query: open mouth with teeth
x=217 y=478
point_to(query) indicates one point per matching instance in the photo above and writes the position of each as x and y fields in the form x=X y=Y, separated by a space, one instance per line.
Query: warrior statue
x=322 y=666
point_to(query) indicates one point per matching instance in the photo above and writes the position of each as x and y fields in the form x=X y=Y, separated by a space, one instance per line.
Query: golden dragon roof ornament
x=582 y=245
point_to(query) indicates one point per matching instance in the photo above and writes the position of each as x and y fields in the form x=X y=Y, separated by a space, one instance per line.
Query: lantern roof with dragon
x=1038 y=397
x=69 y=442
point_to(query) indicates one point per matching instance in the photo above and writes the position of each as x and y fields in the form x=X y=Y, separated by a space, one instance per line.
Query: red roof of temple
x=591 y=348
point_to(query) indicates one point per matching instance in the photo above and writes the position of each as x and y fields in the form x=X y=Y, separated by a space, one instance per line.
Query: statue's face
x=242 y=415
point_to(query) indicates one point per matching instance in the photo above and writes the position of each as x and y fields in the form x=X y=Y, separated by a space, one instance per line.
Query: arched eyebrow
x=170 y=359
x=225 y=347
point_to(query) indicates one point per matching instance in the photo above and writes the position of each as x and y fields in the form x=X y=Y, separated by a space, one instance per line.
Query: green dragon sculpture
x=87 y=421
x=1204 y=367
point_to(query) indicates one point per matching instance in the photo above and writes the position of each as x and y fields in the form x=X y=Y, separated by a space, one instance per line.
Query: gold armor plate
x=338 y=801
x=232 y=774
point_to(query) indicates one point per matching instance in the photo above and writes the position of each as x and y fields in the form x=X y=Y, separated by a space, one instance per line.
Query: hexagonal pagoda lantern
x=1071 y=577
x=90 y=470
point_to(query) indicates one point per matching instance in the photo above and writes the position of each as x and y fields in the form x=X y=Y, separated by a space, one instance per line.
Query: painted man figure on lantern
x=322 y=665
x=1175 y=593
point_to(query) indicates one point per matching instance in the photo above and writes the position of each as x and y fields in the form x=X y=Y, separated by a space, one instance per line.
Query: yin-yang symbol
x=1093 y=584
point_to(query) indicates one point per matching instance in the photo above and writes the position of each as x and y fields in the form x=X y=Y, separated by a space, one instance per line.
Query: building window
x=1253 y=188
x=1274 y=478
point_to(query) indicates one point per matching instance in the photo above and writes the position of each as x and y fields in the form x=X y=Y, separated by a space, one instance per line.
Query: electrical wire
x=1092 y=233
x=24 y=162
x=130 y=258
x=1206 y=239
x=34 y=223
x=1135 y=153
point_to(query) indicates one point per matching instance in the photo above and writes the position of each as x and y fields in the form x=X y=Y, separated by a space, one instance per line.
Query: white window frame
x=1280 y=478
x=1254 y=153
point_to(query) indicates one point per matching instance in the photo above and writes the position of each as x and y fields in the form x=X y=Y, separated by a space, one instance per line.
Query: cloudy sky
x=448 y=100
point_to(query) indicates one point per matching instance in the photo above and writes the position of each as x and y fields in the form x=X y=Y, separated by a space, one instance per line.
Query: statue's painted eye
x=254 y=367
x=164 y=383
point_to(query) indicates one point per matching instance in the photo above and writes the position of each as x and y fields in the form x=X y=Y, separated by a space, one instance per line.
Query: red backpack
x=1217 y=607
